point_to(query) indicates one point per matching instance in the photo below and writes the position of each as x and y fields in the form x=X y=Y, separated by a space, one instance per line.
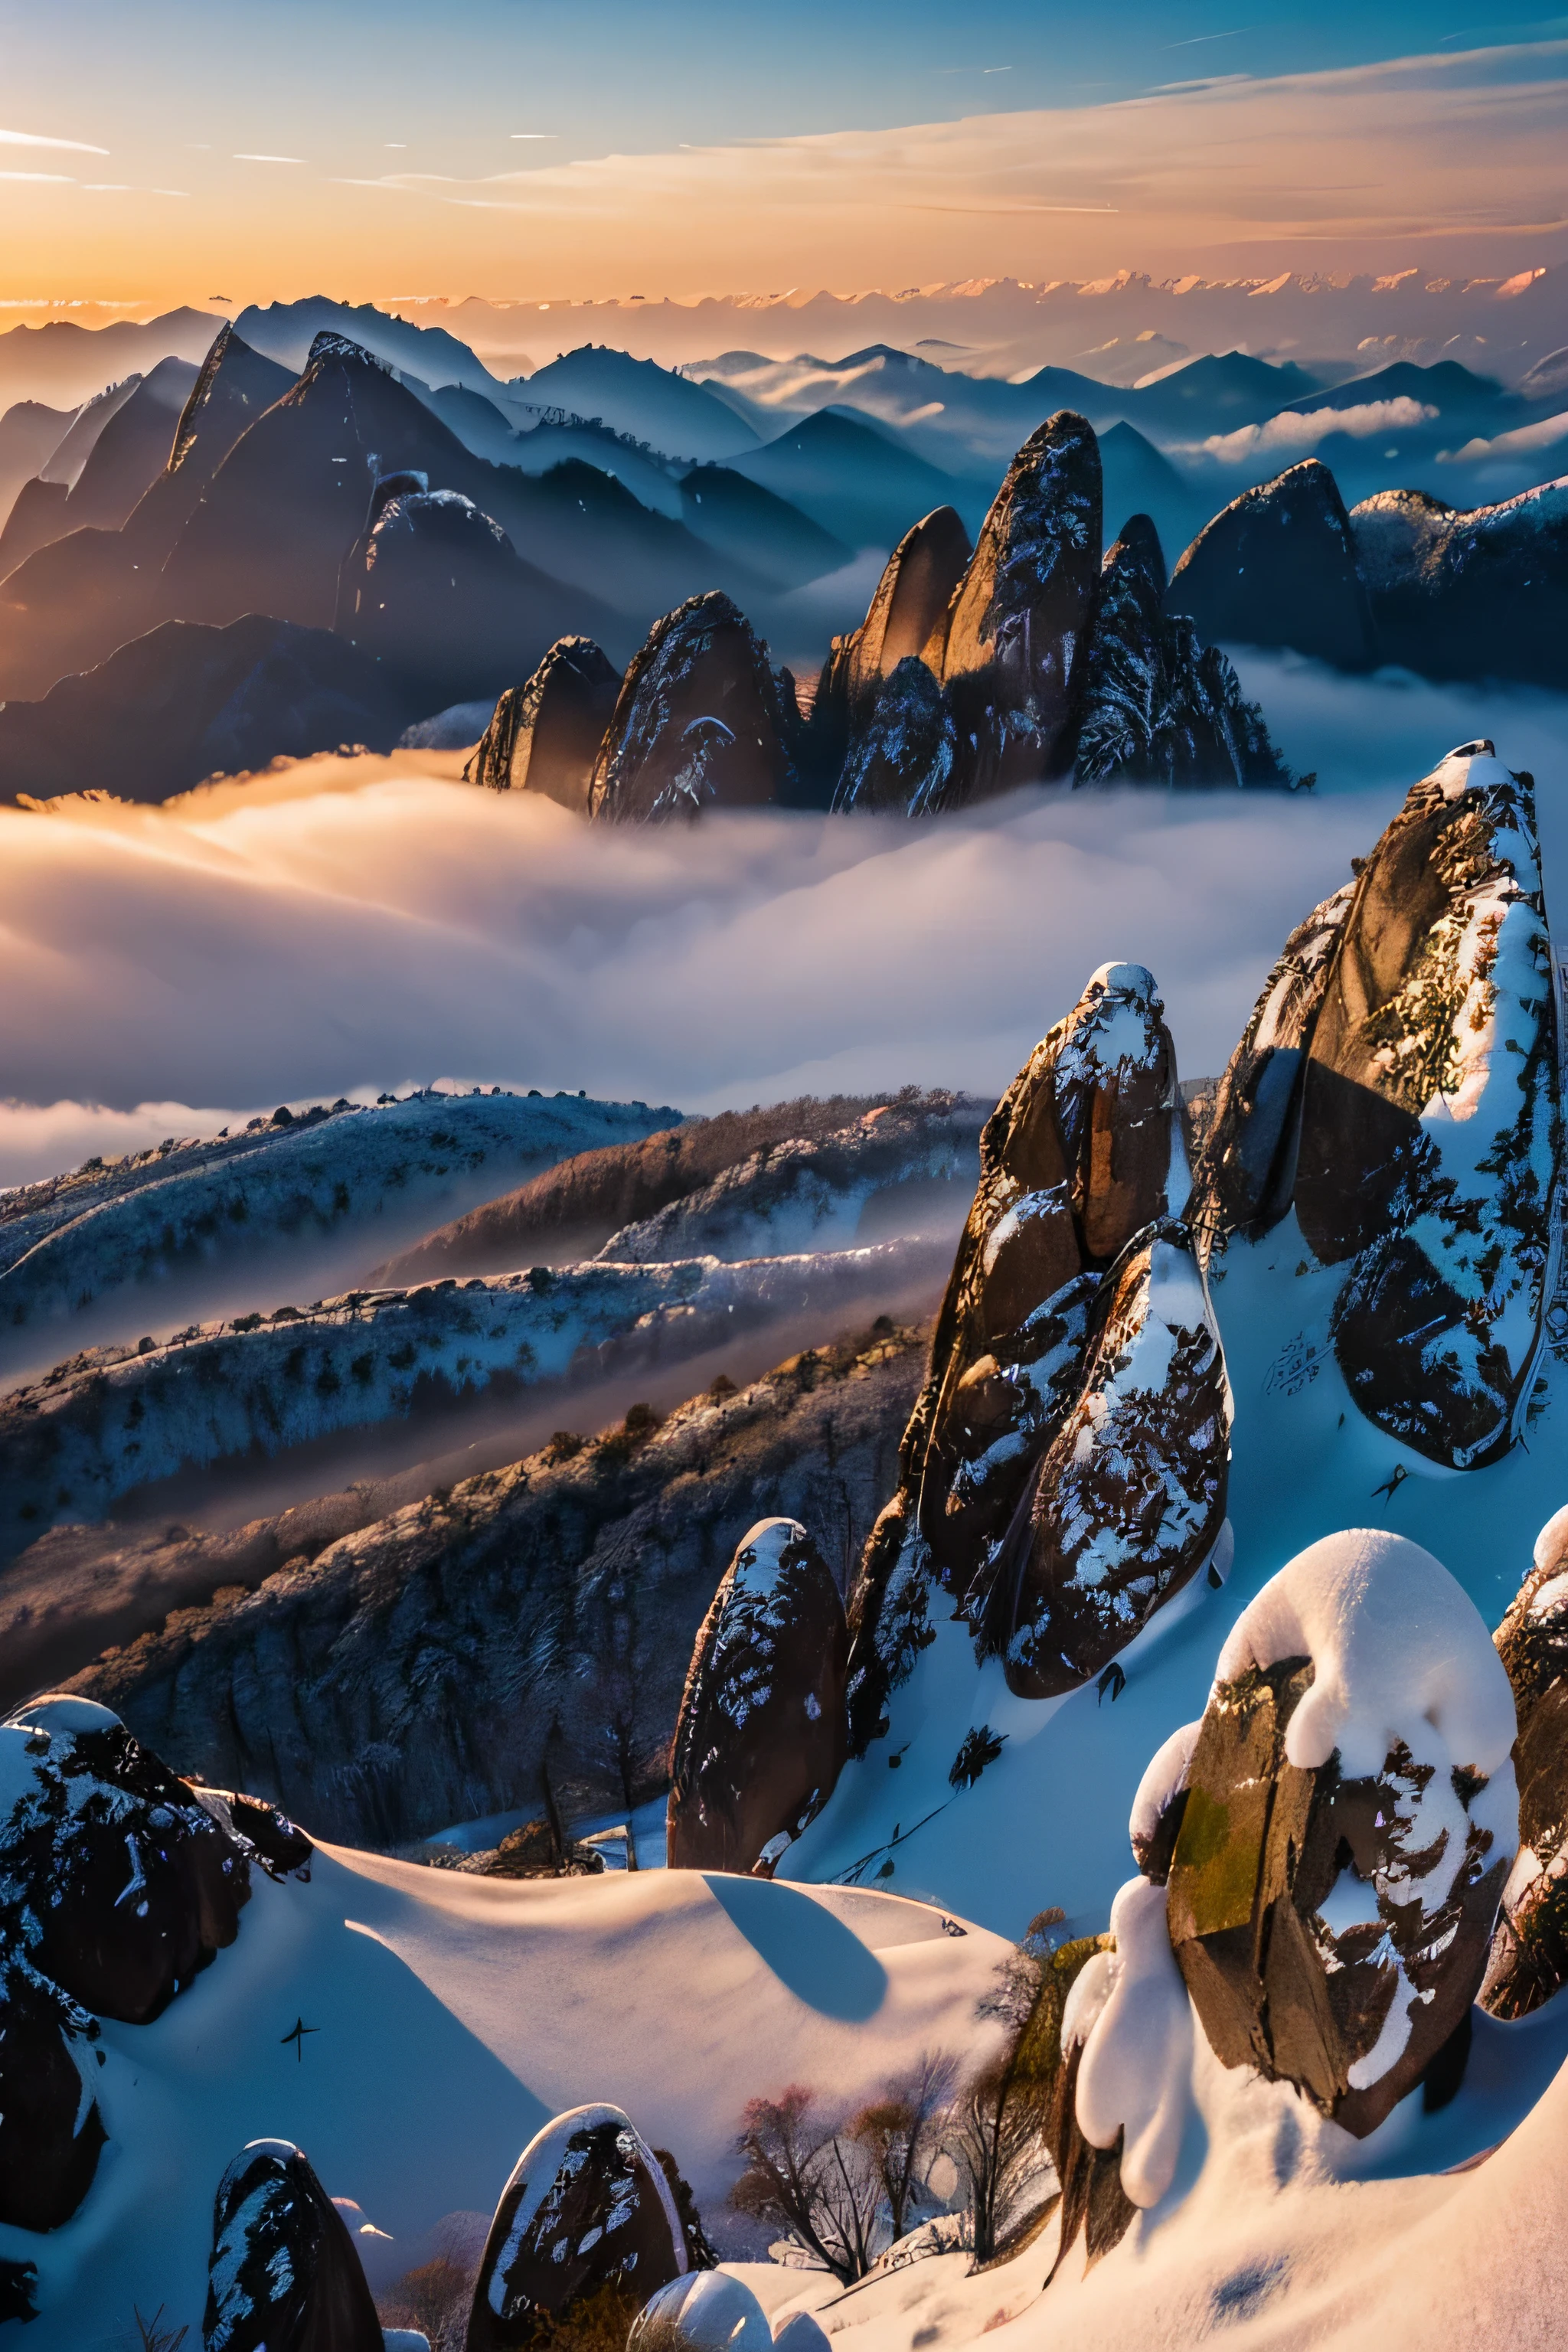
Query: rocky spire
x=901 y=753
x=1529 y=1961
x=702 y=721
x=760 y=1739
x=1011 y=652
x=909 y=604
x=545 y=736
x=284 y=2274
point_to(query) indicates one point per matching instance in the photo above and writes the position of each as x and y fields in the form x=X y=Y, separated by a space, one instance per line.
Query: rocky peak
x=701 y=720
x=900 y=758
x=1278 y=567
x=1011 y=650
x=545 y=736
x=328 y=349
x=284 y=2274
x=910 y=602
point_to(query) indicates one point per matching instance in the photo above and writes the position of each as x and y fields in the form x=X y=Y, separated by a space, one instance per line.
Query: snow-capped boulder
x=705 y=2311
x=1475 y=592
x=50 y=2127
x=1278 y=567
x=1129 y=1499
x=1012 y=656
x=760 y=1737
x=1351 y=1816
x=585 y=2234
x=1246 y=1178
x=700 y=722
x=117 y=1880
x=901 y=751
x=1130 y=2019
x=1431 y=1127
x=284 y=2274
x=1158 y=707
x=545 y=736
x=1529 y=1960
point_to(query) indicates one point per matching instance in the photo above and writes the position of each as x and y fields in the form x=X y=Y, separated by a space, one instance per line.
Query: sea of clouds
x=347 y=927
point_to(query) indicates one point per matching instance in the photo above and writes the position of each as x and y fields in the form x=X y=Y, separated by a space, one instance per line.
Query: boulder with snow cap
x=545 y=736
x=1431 y=1126
x=1350 y=1819
x=585 y=2234
x=760 y=1740
x=1127 y=2048
x=1129 y=1499
x=705 y=2311
x=50 y=2127
x=117 y=1880
x=700 y=722
x=283 y=2274
x=1011 y=652
x=1084 y=1149
x=1529 y=1961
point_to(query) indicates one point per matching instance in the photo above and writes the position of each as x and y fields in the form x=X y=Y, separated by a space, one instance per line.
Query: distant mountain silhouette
x=284 y=332
x=29 y=430
x=740 y=517
x=851 y=477
x=636 y=396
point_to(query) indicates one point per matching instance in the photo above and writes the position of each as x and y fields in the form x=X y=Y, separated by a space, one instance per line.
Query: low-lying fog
x=349 y=927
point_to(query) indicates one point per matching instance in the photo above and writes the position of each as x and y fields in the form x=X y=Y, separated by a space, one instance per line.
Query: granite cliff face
x=545 y=736
x=1399 y=1085
x=701 y=721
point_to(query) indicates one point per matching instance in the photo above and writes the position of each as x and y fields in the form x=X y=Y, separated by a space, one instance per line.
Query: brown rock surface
x=908 y=610
x=545 y=736
x=760 y=1740
x=585 y=2232
x=701 y=721
x=1529 y=1960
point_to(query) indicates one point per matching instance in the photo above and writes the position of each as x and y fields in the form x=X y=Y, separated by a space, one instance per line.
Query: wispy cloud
x=56 y=179
x=37 y=139
x=1198 y=39
x=269 y=159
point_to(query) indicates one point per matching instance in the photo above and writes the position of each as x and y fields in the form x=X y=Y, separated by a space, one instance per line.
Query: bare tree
x=998 y=2126
x=902 y=2132
x=817 y=2184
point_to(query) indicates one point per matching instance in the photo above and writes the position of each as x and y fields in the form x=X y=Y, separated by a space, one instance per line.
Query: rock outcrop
x=1158 y=707
x=545 y=736
x=586 y=2231
x=118 y=1882
x=1406 y=1054
x=704 y=2311
x=1067 y=1280
x=51 y=2132
x=1529 y=1961
x=701 y=721
x=402 y=1677
x=284 y=2275
x=760 y=1739
x=900 y=758
x=1476 y=593
x=910 y=602
x=1011 y=646
x=1349 y=1821
x=1129 y=1500
x=1278 y=567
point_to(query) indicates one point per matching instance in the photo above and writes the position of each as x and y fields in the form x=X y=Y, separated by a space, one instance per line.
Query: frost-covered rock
x=1129 y=1500
x=907 y=1166
x=1012 y=654
x=544 y=736
x=284 y=2274
x=704 y=2311
x=100 y=1426
x=1476 y=593
x=586 y=2232
x=701 y=721
x=1083 y=1150
x=1350 y=1815
x=1432 y=1123
x=1158 y=708
x=1246 y=1179
x=1529 y=1961
x=1278 y=567
x=117 y=1881
x=191 y=1207
x=50 y=2127
x=902 y=753
x=760 y=1737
